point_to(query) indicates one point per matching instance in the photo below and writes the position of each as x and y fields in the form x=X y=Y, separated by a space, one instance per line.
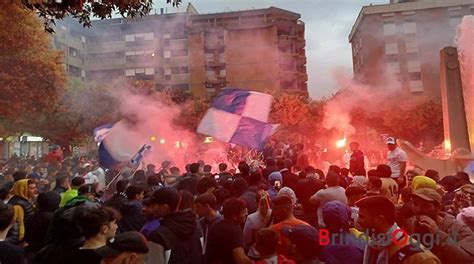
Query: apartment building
x=398 y=43
x=261 y=50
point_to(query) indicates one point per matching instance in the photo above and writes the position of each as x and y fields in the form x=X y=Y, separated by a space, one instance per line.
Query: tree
x=413 y=119
x=77 y=114
x=32 y=76
x=297 y=116
x=83 y=10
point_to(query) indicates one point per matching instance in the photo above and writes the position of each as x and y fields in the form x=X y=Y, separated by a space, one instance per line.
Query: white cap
x=391 y=140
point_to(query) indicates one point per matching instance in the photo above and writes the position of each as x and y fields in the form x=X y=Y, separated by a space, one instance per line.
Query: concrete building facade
x=399 y=43
x=261 y=50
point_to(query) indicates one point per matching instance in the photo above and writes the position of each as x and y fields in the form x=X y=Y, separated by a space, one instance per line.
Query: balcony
x=216 y=80
x=108 y=46
x=285 y=40
x=215 y=64
x=214 y=45
x=105 y=64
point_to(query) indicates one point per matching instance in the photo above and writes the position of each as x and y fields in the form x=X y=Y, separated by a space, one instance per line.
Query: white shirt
x=394 y=160
x=90 y=178
x=100 y=173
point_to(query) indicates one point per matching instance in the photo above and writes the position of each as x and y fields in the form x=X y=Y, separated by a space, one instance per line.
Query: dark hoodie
x=337 y=217
x=38 y=226
x=132 y=217
x=180 y=233
x=450 y=184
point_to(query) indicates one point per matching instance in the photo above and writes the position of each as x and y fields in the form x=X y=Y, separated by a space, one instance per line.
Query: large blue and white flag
x=240 y=117
x=121 y=145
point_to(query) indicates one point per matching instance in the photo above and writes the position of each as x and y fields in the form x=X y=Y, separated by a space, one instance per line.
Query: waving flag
x=240 y=117
x=121 y=145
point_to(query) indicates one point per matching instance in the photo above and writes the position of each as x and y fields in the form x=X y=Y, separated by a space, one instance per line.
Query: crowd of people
x=59 y=210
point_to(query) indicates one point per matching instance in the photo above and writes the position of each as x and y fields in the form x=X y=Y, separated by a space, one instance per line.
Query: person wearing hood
x=37 y=228
x=340 y=249
x=24 y=192
x=177 y=239
x=275 y=180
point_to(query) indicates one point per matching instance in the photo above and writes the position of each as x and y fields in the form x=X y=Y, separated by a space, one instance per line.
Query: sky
x=328 y=24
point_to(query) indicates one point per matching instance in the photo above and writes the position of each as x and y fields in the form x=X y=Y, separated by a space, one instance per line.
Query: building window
x=167 y=71
x=73 y=52
x=391 y=48
x=74 y=71
x=166 y=42
x=409 y=27
x=414 y=76
x=179 y=53
x=129 y=37
x=130 y=72
x=389 y=28
x=413 y=66
x=211 y=74
x=150 y=71
x=167 y=77
x=149 y=36
x=167 y=54
x=411 y=46
x=179 y=70
x=416 y=86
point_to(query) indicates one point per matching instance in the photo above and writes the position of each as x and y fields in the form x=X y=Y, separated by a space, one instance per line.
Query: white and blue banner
x=240 y=117
x=121 y=145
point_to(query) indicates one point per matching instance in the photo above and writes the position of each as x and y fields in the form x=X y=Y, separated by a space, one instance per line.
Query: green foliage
x=83 y=10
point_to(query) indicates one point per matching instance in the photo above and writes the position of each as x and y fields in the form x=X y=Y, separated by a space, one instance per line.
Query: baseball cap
x=391 y=140
x=304 y=237
x=288 y=192
x=164 y=195
x=428 y=194
x=131 y=241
